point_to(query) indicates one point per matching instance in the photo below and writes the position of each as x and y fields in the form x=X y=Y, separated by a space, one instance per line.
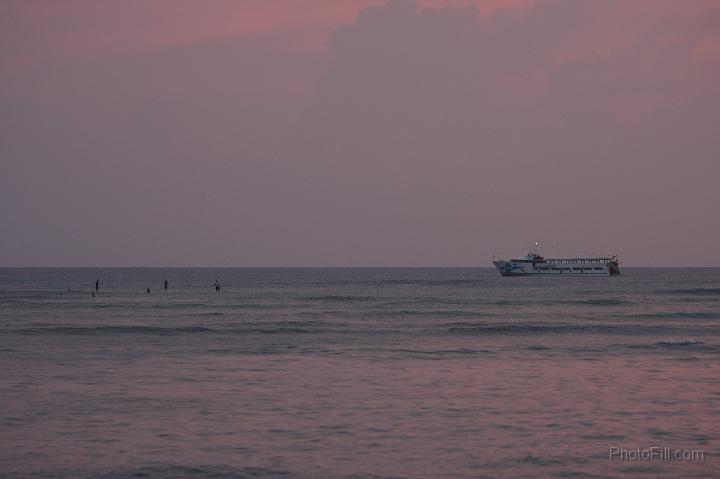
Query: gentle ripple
x=355 y=373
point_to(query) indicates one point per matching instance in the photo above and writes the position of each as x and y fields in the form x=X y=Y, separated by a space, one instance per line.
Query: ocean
x=358 y=373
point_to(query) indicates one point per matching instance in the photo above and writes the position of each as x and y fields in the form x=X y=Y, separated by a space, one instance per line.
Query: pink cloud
x=41 y=32
x=707 y=50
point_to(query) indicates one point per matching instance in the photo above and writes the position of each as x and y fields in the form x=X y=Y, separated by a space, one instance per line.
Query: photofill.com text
x=656 y=453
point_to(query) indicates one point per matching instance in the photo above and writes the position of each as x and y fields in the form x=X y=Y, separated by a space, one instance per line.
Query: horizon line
x=306 y=267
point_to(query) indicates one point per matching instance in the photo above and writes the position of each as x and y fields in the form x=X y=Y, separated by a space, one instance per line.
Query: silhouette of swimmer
x=166 y=284
x=97 y=285
x=93 y=294
x=148 y=290
x=217 y=285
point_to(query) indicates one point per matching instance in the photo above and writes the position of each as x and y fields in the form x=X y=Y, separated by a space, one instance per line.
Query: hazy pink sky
x=357 y=132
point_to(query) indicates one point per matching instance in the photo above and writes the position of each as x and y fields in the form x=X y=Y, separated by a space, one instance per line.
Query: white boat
x=532 y=263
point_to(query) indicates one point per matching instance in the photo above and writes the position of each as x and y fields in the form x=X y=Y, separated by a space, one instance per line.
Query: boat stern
x=614 y=267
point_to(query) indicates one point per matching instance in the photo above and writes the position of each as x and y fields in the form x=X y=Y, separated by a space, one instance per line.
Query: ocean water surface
x=356 y=373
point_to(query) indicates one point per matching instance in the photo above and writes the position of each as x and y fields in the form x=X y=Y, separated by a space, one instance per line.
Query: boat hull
x=509 y=268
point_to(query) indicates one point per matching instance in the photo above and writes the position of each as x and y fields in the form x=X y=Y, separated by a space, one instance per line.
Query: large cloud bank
x=433 y=137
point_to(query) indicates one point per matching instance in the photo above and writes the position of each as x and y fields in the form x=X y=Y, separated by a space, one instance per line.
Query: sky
x=357 y=132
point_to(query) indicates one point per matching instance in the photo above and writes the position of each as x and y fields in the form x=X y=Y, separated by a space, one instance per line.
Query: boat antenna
x=533 y=248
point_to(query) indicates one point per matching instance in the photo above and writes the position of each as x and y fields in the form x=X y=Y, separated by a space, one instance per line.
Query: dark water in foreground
x=356 y=373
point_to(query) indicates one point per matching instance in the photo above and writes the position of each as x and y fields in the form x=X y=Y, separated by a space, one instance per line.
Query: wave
x=601 y=302
x=340 y=298
x=210 y=472
x=464 y=328
x=540 y=329
x=281 y=330
x=417 y=282
x=197 y=472
x=457 y=282
x=247 y=328
x=538 y=347
x=680 y=344
x=693 y=291
x=542 y=461
x=675 y=315
x=92 y=330
x=455 y=328
x=458 y=313
x=446 y=352
x=440 y=300
x=550 y=302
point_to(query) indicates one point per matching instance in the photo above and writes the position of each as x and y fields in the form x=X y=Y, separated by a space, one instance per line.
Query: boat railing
x=578 y=260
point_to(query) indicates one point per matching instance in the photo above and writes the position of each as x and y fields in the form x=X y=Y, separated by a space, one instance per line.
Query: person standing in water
x=148 y=291
x=217 y=285
x=97 y=285
x=166 y=285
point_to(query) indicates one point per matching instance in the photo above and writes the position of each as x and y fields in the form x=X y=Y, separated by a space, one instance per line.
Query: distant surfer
x=217 y=285
x=166 y=285
x=148 y=291
x=97 y=285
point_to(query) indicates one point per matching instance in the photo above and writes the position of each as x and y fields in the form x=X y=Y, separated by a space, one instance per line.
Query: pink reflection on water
x=338 y=416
